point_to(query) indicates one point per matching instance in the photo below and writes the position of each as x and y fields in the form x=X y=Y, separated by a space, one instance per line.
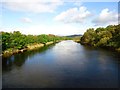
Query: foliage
x=102 y=37
x=16 y=40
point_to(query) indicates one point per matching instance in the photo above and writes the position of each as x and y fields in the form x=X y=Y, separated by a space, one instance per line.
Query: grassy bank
x=76 y=39
x=31 y=47
x=16 y=42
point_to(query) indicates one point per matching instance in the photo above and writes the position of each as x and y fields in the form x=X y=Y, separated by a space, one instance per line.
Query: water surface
x=66 y=64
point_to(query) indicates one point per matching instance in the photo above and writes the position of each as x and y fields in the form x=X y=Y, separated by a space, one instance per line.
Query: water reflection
x=19 y=59
x=65 y=64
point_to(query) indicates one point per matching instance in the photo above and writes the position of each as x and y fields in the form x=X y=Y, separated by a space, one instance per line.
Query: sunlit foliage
x=16 y=40
x=102 y=37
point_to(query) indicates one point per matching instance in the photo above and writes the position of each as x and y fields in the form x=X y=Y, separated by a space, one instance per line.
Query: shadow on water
x=102 y=52
x=19 y=59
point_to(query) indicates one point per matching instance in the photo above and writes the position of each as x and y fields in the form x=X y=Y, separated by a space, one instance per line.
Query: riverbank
x=78 y=41
x=118 y=49
x=107 y=37
x=103 y=47
x=11 y=51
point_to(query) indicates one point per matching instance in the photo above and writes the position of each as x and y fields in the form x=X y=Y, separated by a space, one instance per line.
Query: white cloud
x=33 y=6
x=106 y=17
x=73 y=15
x=26 y=20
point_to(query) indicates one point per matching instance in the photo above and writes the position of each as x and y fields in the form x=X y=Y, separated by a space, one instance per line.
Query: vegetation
x=103 y=37
x=17 y=41
x=100 y=37
x=76 y=39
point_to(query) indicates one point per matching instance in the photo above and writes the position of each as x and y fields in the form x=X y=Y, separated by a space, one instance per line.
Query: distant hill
x=76 y=35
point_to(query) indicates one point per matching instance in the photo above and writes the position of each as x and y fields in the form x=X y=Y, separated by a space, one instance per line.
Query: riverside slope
x=10 y=52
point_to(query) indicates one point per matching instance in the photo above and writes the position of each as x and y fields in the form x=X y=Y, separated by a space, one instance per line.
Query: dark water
x=64 y=65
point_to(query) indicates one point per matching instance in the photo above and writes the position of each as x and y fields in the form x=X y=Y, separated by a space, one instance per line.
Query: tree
x=103 y=37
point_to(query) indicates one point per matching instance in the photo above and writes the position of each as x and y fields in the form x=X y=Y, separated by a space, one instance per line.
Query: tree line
x=16 y=40
x=102 y=37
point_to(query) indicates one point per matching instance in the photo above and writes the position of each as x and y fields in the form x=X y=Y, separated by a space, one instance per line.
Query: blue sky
x=56 y=17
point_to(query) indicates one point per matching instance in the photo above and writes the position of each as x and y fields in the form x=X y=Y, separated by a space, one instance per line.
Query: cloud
x=73 y=15
x=26 y=20
x=32 y=6
x=106 y=17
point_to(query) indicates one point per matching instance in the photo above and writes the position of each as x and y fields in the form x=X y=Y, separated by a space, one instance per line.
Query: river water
x=66 y=64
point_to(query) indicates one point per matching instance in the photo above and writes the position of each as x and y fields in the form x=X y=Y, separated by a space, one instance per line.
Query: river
x=66 y=64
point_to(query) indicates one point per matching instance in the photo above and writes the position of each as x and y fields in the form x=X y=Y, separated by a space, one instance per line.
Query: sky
x=57 y=17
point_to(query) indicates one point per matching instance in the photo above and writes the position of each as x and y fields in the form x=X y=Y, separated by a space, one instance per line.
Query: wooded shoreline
x=8 y=53
x=107 y=37
x=16 y=42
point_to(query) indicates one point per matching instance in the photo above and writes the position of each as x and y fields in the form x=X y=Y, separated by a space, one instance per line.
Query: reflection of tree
x=89 y=48
x=19 y=59
x=100 y=53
